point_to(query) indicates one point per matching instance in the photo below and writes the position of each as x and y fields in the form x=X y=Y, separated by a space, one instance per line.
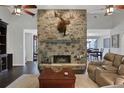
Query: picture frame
x=115 y=41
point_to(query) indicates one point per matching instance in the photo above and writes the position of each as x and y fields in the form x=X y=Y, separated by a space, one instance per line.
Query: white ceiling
x=91 y=9
x=95 y=16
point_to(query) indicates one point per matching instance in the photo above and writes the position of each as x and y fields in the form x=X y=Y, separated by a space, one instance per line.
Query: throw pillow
x=109 y=56
x=117 y=60
x=106 y=62
x=109 y=68
x=123 y=60
x=121 y=69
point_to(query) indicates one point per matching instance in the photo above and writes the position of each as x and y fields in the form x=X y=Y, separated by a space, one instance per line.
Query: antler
x=56 y=15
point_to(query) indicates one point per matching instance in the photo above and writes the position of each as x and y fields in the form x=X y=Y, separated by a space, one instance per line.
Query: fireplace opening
x=61 y=59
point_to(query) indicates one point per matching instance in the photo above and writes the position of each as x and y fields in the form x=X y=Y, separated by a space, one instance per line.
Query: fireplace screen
x=62 y=59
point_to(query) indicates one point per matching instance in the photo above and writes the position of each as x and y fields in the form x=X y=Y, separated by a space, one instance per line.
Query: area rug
x=31 y=81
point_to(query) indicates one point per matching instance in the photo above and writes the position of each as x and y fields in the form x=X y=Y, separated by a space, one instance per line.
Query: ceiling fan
x=111 y=8
x=20 y=9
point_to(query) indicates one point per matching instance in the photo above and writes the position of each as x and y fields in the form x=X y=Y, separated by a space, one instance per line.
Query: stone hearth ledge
x=73 y=66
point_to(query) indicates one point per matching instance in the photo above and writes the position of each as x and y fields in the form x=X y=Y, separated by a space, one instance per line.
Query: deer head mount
x=62 y=24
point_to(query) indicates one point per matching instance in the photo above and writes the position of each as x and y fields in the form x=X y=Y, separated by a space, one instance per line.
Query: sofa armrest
x=99 y=70
x=119 y=80
x=122 y=76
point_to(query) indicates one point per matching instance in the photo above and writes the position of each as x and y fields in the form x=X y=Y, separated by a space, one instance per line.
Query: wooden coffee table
x=51 y=79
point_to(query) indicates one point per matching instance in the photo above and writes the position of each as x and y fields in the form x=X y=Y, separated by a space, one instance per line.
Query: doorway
x=91 y=43
x=30 y=45
x=35 y=47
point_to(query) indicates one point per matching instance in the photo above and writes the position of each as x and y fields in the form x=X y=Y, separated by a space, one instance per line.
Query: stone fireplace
x=59 y=47
x=62 y=59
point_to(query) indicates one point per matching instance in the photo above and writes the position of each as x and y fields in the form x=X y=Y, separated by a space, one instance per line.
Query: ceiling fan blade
x=119 y=6
x=28 y=12
x=29 y=6
x=5 y=5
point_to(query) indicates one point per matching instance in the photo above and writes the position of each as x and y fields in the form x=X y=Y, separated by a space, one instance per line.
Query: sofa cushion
x=106 y=62
x=121 y=69
x=117 y=60
x=109 y=57
x=109 y=68
x=123 y=60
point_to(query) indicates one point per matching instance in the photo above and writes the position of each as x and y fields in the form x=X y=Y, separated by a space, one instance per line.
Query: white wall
x=4 y=14
x=119 y=29
x=16 y=35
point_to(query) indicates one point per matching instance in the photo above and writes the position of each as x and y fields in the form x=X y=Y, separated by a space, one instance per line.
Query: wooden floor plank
x=6 y=77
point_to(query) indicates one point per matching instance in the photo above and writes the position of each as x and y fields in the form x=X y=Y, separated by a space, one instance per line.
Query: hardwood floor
x=6 y=77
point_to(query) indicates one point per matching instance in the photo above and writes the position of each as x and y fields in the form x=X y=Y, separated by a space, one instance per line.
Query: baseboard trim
x=18 y=65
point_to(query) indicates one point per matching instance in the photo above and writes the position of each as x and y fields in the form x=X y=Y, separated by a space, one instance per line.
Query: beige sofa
x=109 y=71
x=108 y=58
